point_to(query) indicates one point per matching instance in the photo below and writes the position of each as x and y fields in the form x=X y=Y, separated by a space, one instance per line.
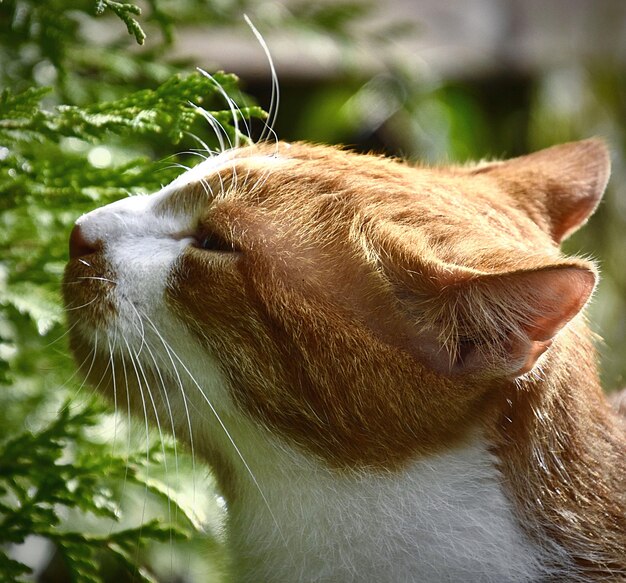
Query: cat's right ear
x=465 y=322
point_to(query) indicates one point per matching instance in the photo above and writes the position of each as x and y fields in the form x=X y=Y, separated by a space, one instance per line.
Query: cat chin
x=157 y=369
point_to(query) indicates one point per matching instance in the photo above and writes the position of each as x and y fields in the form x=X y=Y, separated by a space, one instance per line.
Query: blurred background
x=451 y=80
x=455 y=80
x=428 y=80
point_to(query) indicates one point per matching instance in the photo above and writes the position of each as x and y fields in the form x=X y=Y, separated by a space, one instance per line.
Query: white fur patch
x=141 y=246
x=443 y=519
x=215 y=164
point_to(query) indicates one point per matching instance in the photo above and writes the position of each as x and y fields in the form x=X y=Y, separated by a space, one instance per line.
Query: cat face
x=359 y=307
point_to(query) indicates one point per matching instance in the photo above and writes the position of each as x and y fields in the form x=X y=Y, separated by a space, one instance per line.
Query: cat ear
x=559 y=187
x=495 y=324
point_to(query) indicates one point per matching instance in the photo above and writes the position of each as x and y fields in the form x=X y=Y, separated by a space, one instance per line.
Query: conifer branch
x=124 y=11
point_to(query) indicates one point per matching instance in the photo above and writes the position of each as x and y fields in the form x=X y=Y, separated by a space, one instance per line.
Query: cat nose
x=79 y=245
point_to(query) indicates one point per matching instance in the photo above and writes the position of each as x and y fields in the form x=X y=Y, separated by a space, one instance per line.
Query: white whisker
x=231 y=104
x=217 y=127
x=91 y=365
x=158 y=424
x=98 y=278
x=71 y=309
x=139 y=327
x=208 y=152
x=168 y=351
x=147 y=428
x=69 y=329
x=157 y=369
x=171 y=351
x=92 y=355
x=275 y=97
x=128 y=414
x=177 y=165
x=114 y=383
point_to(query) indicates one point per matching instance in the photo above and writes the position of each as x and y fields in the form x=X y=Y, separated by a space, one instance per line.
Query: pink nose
x=79 y=246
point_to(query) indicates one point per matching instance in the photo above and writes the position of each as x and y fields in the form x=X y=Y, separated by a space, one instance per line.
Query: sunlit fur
x=390 y=372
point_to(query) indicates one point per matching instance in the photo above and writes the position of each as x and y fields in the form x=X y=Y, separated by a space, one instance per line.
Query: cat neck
x=561 y=452
x=443 y=518
x=500 y=506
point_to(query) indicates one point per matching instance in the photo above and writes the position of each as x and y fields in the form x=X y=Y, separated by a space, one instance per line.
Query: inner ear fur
x=493 y=324
x=559 y=187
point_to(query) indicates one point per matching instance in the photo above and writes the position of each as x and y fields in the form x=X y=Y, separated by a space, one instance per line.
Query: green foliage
x=126 y=12
x=46 y=472
x=49 y=42
x=94 y=134
x=37 y=164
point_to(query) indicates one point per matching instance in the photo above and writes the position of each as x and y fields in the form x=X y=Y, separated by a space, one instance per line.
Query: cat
x=387 y=366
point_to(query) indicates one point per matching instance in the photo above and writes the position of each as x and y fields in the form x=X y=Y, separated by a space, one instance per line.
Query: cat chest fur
x=444 y=519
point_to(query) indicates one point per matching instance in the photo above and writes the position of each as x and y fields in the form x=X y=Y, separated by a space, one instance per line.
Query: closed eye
x=211 y=241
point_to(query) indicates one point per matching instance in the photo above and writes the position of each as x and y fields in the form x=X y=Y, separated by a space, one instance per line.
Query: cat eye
x=210 y=241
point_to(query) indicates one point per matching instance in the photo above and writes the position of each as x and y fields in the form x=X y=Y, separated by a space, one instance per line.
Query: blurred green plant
x=88 y=138
x=39 y=477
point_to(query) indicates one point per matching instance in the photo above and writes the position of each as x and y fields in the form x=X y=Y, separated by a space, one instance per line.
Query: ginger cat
x=387 y=366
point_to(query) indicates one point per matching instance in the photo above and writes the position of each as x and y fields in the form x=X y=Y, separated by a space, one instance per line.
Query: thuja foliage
x=39 y=477
x=83 y=122
x=37 y=161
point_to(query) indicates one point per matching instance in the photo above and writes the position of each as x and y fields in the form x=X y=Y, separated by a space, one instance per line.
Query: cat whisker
x=207 y=188
x=128 y=413
x=98 y=278
x=217 y=127
x=260 y=182
x=139 y=327
x=74 y=282
x=178 y=165
x=222 y=192
x=114 y=383
x=158 y=424
x=168 y=351
x=194 y=152
x=234 y=108
x=275 y=96
x=235 y=182
x=92 y=355
x=145 y=415
x=173 y=353
x=205 y=151
x=163 y=390
x=116 y=418
x=61 y=336
x=164 y=395
x=94 y=388
x=73 y=308
x=91 y=365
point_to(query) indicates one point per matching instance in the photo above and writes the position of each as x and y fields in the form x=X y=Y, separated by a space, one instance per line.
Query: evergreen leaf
x=36 y=302
x=124 y=11
x=12 y=570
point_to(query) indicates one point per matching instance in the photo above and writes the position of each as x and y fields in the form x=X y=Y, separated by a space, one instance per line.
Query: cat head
x=358 y=306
